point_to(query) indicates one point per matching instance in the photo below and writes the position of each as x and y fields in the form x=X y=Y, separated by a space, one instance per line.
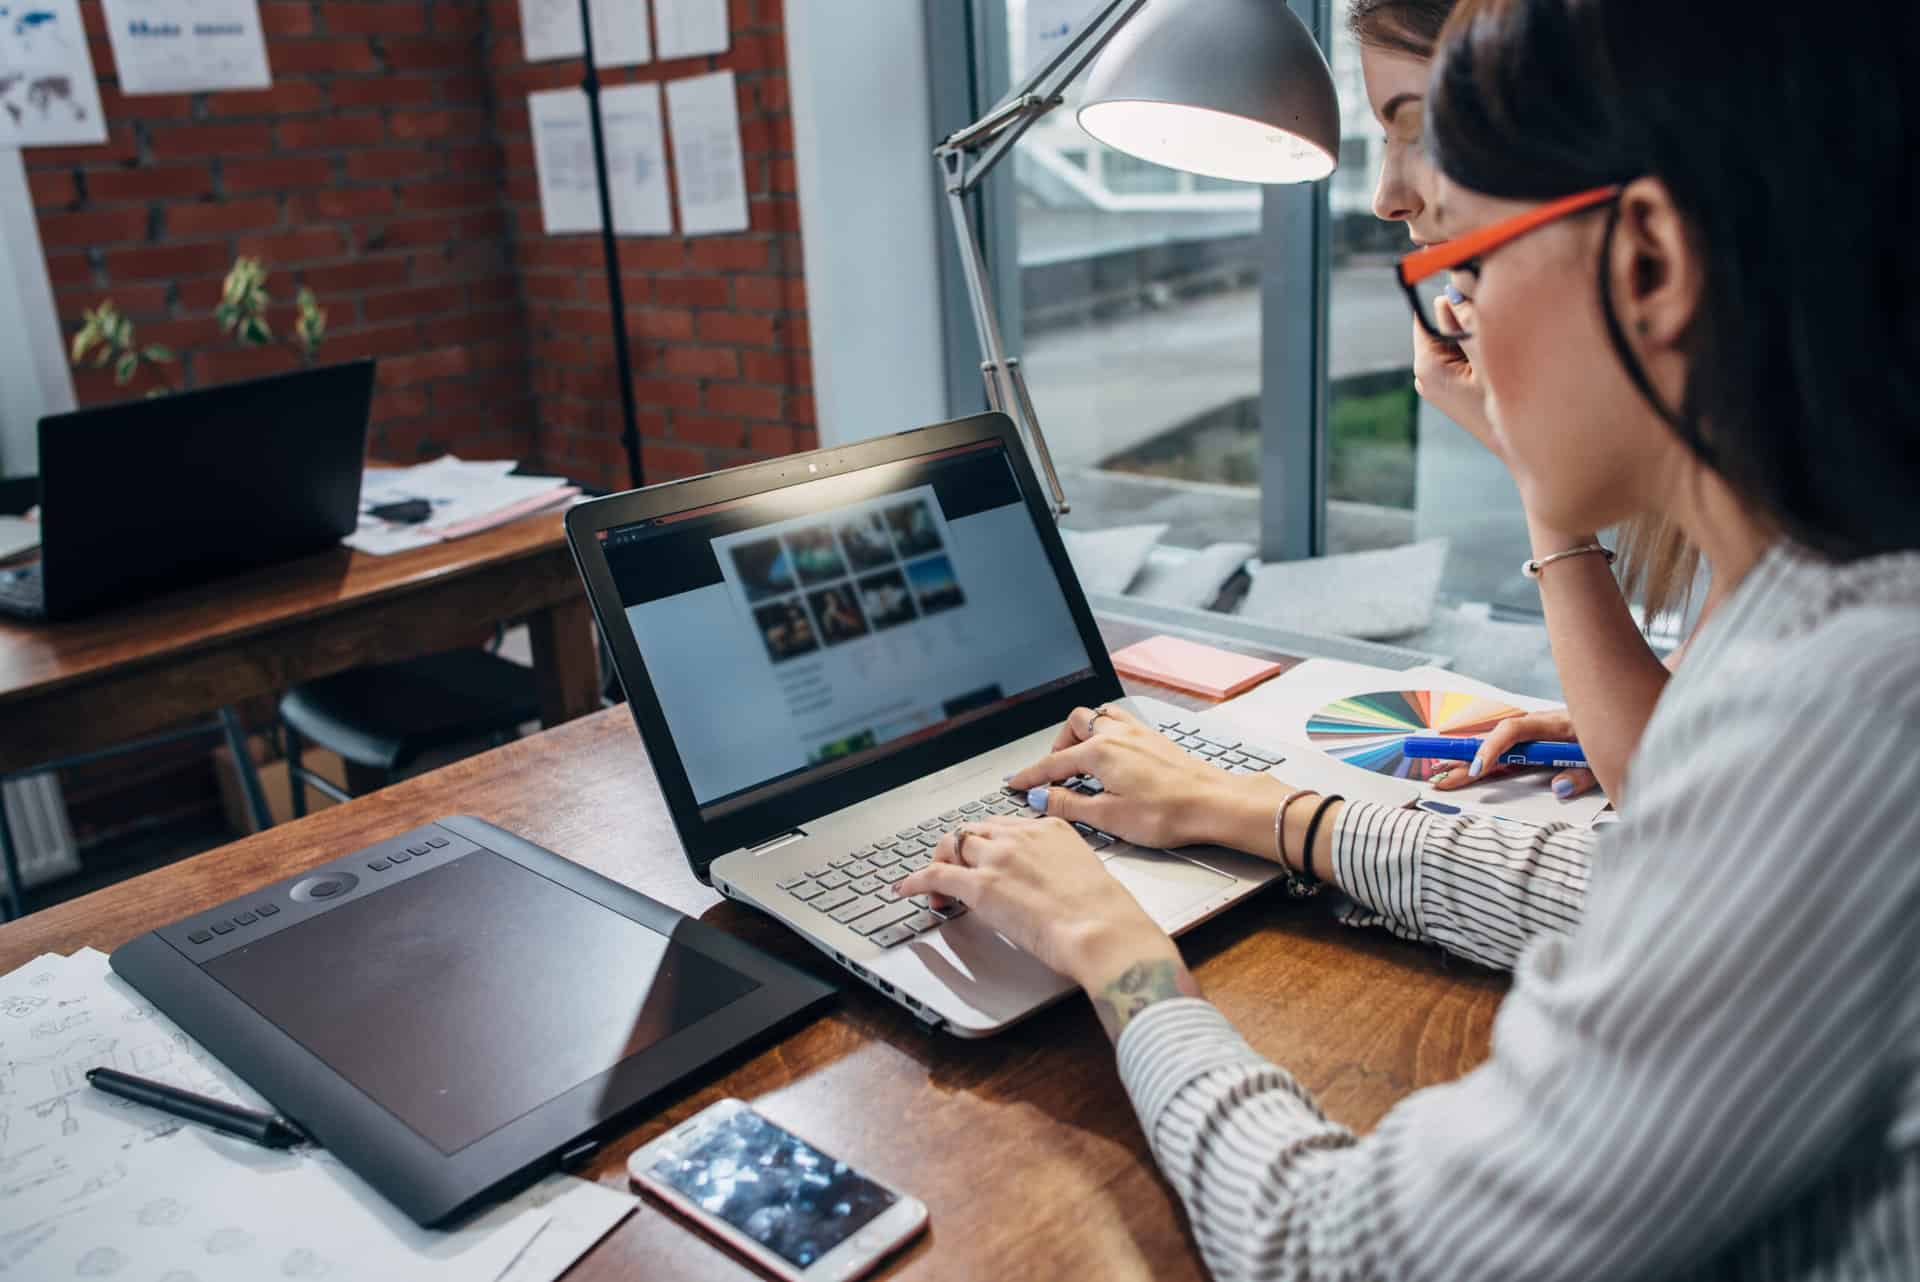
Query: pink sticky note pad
x=1187 y=665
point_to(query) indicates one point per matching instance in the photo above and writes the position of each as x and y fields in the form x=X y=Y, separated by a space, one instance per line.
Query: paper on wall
x=704 y=115
x=48 y=94
x=186 y=46
x=689 y=28
x=550 y=29
x=1050 y=24
x=636 y=160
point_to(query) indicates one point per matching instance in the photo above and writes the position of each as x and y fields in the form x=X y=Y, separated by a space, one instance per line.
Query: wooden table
x=108 y=678
x=1023 y=1146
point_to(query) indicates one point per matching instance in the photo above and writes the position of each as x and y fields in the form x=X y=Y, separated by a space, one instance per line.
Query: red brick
x=459 y=17
x=412 y=302
x=367 y=166
x=398 y=403
x=550 y=287
x=120 y=146
x=94 y=227
x=652 y=254
x=703 y=429
x=748 y=402
x=286 y=98
x=697 y=292
x=408 y=54
x=780 y=368
x=448 y=195
x=283 y=18
x=349 y=202
x=729 y=253
x=149 y=107
x=212 y=140
x=445 y=362
x=384 y=341
x=212 y=218
x=225 y=365
x=322 y=57
x=660 y=323
x=375 y=19
x=332 y=131
x=701 y=362
x=737 y=327
x=292 y=248
x=276 y=172
x=771 y=440
x=671 y=462
x=468 y=327
x=403 y=232
x=69 y=269
x=673 y=393
x=499 y=290
x=145 y=303
x=800 y=410
x=783 y=176
x=458 y=122
x=52 y=187
x=348 y=278
x=384 y=91
x=178 y=182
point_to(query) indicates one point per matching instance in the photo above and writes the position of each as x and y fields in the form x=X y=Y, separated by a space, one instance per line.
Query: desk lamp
x=1233 y=89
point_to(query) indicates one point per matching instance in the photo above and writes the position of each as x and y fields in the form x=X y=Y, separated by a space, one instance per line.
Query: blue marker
x=1540 y=752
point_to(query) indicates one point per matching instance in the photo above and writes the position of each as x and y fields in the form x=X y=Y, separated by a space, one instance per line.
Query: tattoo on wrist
x=1139 y=986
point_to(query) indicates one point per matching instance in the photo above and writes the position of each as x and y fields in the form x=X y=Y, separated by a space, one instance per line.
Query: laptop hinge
x=774 y=843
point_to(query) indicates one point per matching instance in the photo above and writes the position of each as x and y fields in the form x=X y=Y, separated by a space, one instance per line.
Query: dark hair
x=1405 y=26
x=1790 y=142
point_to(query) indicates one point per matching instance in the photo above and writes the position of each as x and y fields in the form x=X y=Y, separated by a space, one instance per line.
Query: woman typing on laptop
x=1710 y=1069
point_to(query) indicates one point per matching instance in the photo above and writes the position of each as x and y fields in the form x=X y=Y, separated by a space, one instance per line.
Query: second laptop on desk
x=833 y=659
x=147 y=495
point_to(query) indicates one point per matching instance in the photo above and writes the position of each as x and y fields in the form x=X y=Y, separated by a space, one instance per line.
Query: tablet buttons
x=201 y=936
x=266 y=910
x=377 y=865
x=438 y=843
x=244 y=919
x=416 y=850
x=327 y=885
x=223 y=928
x=401 y=856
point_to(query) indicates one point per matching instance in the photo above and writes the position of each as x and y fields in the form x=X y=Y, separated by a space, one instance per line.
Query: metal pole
x=610 y=249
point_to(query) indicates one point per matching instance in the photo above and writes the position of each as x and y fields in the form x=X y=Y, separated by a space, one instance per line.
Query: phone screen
x=774 y=1187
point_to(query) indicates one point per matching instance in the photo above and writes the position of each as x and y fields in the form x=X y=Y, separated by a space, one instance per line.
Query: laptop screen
x=808 y=631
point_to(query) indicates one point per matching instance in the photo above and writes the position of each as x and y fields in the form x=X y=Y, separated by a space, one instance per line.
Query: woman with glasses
x=1611 y=675
x=1694 y=296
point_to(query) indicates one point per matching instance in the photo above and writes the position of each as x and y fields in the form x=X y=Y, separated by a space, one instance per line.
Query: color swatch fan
x=1366 y=730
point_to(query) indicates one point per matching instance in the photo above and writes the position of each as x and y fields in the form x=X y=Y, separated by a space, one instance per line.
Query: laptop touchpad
x=1166 y=885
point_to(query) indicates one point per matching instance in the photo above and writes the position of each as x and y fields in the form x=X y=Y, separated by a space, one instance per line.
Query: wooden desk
x=1023 y=1146
x=84 y=684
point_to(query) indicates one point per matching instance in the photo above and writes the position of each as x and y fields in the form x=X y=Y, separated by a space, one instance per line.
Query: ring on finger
x=960 y=836
x=1093 y=722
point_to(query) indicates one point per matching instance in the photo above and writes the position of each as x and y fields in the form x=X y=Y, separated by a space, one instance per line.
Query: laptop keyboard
x=857 y=889
x=22 y=590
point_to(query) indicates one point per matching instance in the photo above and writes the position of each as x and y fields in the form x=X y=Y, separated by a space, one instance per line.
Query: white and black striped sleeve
x=1729 y=1027
x=1482 y=888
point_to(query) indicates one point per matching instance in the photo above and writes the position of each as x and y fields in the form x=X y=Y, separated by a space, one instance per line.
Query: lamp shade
x=1232 y=89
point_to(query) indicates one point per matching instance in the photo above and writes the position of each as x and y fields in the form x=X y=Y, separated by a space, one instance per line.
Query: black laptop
x=149 y=495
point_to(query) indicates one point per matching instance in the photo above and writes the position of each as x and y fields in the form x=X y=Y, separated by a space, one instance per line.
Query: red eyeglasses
x=1426 y=273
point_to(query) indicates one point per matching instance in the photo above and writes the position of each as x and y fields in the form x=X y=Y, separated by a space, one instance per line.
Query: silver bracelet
x=1532 y=568
x=1298 y=886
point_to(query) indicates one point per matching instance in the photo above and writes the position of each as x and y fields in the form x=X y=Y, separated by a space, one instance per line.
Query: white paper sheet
x=1284 y=704
x=550 y=29
x=636 y=160
x=581 y=1214
x=17 y=535
x=704 y=115
x=461 y=493
x=689 y=28
x=48 y=93
x=186 y=46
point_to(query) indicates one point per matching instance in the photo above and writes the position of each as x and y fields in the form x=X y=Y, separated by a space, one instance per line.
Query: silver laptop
x=834 y=658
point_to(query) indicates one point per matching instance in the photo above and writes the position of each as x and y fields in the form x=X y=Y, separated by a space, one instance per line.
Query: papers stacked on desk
x=466 y=498
x=91 y=1185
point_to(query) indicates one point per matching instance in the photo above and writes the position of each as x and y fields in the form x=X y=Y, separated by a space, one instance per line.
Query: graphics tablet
x=456 y=1010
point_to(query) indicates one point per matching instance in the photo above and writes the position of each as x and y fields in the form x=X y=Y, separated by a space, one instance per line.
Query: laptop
x=834 y=658
x=148 y=495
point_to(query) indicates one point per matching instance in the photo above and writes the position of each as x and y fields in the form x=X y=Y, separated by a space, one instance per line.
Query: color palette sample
x=1366 y=730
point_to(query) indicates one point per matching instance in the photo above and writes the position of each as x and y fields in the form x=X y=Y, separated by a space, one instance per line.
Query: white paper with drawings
x=187 y=46
x=704 y=115
x=1284 y=705
x=582 y=1213
x=48 y=93
x=636 y=160
x=689 y=28
x=550 y=29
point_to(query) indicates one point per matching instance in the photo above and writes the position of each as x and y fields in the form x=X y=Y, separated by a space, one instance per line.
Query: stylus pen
x=1538 y=752
x=261 y=1128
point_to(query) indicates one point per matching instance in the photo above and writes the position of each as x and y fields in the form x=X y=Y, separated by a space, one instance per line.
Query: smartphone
x=800 y=1213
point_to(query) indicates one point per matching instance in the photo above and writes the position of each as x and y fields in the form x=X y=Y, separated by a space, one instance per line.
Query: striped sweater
x=1709 y=1061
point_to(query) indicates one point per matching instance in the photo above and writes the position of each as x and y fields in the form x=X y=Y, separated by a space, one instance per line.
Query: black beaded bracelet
x=1313 y=830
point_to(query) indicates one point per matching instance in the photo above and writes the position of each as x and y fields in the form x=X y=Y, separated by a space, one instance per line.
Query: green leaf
x=157 y=353
x=125 y=368
x=157 y=391
x=83 y=340
x=255 y=331
x=102 y=356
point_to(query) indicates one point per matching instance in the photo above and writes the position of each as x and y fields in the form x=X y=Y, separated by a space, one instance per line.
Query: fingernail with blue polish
x=1563 y=788
x=1037 y=798
x=1455 y=296
x=1479 y=764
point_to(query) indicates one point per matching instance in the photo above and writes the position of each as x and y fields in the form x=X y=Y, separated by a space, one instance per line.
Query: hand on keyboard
x=1156 y=787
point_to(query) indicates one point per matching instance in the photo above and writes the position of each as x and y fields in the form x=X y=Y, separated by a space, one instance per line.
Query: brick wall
x=717 y=324
x=390 y=168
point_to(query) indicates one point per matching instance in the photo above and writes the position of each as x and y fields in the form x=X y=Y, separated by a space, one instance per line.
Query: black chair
x=382 y=718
